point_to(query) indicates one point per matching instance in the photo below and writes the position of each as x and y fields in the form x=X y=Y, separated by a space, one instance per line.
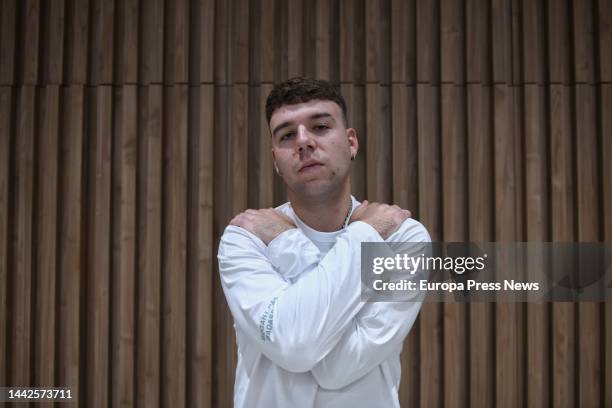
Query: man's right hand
x=384 y=218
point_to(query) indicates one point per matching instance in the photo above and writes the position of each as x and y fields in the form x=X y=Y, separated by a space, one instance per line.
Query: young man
x=292 y=275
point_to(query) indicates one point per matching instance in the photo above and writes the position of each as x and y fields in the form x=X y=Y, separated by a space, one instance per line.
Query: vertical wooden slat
x=44 y=276
x=27 y=61
x=262 y=50
x=200 y=248
x=606 y=168
x=98 y=250
x=239 y=45
x=537 y=227
x=562 y=229
x=176 y=40
x=151 y=56
x=604 y=14
x=404 y=151
x=7 y=41
x=202 y=41
x=455 y=229
x=174 y=226
x=221 y=42
x=352 y=35
x=295 y=41
x=431 y=323
x=123 y=250
x=100 y=48
x=378 y=148
x=558 y=42
x=405 y=186
x=583 y=44
x=5 y=182
x=452 y=41
x=52 y=42
x=77 y=38
x=148 y=281
x=428 y=41
x=324 y=56
x=508 y=347
x=126 y=42
x=589 y=330
x=403 y=42
x=501 y=35
x=377 y=40
x=262 y=172
x=478 y=41
x=534 y=51
x=69 y=237
x=481 y=219
x=21 y=266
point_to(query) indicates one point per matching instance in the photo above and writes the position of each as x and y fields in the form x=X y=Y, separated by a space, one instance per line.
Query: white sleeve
x=376 y=332
x=294 y=325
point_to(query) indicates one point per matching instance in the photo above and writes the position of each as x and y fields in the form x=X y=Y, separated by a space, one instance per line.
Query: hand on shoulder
x=384 y=218
x=266 y=223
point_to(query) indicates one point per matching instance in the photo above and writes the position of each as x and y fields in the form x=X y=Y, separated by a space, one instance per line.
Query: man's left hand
x=266 y=223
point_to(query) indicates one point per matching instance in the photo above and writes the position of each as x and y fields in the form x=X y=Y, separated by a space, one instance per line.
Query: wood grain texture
x=481 y=221
x=604 y=38
x=45 y=232
x=562 y=210
x=428 y=42
x=501 y=35
x=452 y=42
x=148 y=250
x=21 y=245
x=534 y=38
x=131 y=132
x=478 y=41
x=589 y=319
x=558 y=40
x=101 y=44
x=69 y=237
x=123 y=247
x=6 y=177
x=537 y=227
x=126 y=40
x=174 y=246
x=8 y=37
x=52 y=42
x=583 y=42
x=176 y=42
x=455 y=229
x=403 y=42
x=200 y=256
x=378 y=144
x=97 y=266
x=77 y=37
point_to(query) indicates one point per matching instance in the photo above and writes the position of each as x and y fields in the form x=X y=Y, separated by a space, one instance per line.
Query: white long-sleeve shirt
x=305 y=339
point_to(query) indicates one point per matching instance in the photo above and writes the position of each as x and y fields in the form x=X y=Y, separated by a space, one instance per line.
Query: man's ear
x=351 y=135
x=274 y=162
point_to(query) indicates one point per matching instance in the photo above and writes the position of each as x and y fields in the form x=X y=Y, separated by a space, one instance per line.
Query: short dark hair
x=300 y=90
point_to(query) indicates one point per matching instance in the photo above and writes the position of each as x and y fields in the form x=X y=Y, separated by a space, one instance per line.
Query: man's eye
x=287 y=136
x=321 y=127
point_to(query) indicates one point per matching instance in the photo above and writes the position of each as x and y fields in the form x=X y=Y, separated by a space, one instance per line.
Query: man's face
x=312 y=147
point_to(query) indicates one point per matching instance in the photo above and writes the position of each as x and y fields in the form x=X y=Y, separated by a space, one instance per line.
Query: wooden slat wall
x=131 y=132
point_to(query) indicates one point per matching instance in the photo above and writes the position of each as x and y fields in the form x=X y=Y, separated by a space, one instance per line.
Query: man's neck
x=325 y=215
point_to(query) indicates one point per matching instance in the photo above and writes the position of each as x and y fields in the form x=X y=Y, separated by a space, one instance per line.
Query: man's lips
x=310 y=165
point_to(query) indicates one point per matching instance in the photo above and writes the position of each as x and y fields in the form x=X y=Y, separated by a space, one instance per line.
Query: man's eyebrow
x=280 y=127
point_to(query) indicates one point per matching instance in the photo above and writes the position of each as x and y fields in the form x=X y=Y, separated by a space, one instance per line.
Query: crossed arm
x=318 y=323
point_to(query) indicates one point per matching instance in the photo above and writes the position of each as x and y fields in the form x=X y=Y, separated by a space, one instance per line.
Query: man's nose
x=304 y=139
